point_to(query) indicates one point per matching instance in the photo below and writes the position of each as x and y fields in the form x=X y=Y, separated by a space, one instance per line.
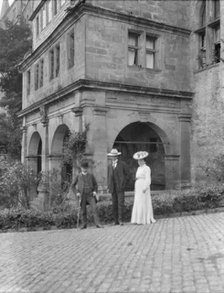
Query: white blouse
x=144 y=173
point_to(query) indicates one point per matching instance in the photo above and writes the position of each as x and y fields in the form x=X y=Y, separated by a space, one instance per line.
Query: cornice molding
x=95 y=85
x=74 y=13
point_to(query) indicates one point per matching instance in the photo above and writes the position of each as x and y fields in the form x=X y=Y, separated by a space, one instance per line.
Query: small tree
x=15 y=183
x=15 y=42
x=75 y=147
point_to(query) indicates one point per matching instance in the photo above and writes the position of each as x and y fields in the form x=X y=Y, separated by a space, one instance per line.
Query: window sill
x=136 y=67
x=207 y=67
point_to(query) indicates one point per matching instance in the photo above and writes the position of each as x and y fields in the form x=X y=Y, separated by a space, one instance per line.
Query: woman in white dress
x=142 y=212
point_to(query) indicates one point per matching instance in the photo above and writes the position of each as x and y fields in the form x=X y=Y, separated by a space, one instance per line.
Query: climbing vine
x=75 y=146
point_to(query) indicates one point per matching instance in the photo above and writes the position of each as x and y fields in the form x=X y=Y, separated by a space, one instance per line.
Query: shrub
x=197 y=198
x=15 y=183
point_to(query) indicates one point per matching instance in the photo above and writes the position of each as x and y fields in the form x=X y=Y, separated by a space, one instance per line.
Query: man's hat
x=114 y=153
x=84 y=164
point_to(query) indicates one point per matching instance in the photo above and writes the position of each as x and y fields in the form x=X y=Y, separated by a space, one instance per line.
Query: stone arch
x=146 y=136
x=57 y=150
x=35 y=152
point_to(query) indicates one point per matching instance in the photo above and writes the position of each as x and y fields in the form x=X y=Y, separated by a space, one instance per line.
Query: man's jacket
x=117 y=177
x=78 y=183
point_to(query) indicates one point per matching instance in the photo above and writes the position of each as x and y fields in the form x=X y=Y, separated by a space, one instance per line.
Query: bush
x=15 y=183
x=200 y=197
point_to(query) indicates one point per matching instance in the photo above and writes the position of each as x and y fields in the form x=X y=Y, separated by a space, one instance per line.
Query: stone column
x=78 y=111
x=185 y=162
x=172 y=171
x=43 y=188
x=99 y=145
x=24 y=143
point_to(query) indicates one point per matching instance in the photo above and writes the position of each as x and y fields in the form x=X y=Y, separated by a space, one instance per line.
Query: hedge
x=164 y=204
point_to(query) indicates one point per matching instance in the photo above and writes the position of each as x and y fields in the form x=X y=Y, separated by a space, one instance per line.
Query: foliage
x=214 y=168
x=75 y=146
x=198 y=198
x=15 y=42
x=56 y=188
x=15 y=183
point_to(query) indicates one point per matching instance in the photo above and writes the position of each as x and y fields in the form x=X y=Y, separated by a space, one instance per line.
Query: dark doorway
x=141 y=136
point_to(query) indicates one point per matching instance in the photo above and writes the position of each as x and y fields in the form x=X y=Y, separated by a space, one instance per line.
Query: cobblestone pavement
x=184 y=254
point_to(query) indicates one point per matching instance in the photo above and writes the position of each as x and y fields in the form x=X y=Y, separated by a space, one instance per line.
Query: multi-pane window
x=209 y=33
x=142 y=50
x=133 y=49
x=54 y=61
x=28 y=80
x=150 y=52
x=39 y=74
x=71 y=49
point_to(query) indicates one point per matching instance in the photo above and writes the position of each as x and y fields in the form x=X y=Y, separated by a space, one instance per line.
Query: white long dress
x=142 y=212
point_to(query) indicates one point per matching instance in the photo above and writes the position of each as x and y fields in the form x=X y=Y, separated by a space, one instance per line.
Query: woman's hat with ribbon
x=140 y=155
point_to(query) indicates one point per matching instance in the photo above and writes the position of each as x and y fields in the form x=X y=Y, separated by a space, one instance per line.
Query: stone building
x=136 y=72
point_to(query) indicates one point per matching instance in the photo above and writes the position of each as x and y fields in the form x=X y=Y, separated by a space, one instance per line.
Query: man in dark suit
x=85 y=186
x=117 y=177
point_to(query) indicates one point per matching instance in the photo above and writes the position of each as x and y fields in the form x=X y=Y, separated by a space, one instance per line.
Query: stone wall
x=66 y=75
x=207 y=119
x=170 y=12
x=107 y=49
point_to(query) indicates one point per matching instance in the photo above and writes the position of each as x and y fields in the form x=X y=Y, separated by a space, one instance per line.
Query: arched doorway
x=35 y=153
x=59 y=141
x=142 y=136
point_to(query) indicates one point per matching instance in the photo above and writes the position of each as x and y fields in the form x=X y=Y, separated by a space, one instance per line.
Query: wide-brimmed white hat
x=140 y=155
x=113 y=153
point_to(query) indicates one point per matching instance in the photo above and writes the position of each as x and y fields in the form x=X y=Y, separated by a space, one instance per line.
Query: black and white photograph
x=112 y=146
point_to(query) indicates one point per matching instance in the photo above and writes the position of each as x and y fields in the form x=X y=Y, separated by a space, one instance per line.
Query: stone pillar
x=99 y=145
x=43 y=188
x=24 y=143
x=172 y=171
x=78 y=111
x=185 y=162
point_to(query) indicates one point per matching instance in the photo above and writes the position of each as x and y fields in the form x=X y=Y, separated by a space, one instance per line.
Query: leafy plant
x=16 y=181
x=15 y=40
x=75 y=146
